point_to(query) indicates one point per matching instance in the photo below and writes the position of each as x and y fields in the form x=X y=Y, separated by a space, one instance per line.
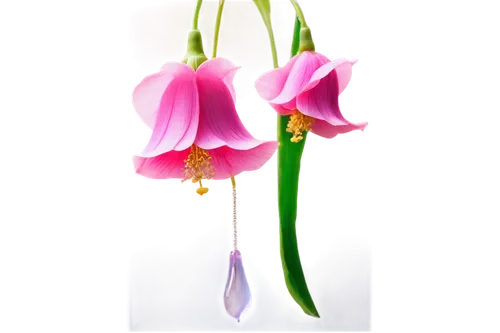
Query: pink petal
x=230 y=162
x=343 y=69
x=219 y=123
x=326 y=130
x=219 y=68
x=168 y=165
x=302 y=70
x=148 y=94
x=281 y=109
x=319 y=98
x=270 y=84
x=177 y=117
x=354 y=62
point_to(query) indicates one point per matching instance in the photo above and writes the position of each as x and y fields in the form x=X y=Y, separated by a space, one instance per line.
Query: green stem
x=296 y=38
x=306 y=41
x=195 y=52
x=264 y=8
x=273 y=44
x=289 y=164
x=300 y=14
x=196 y=14
x=217 y=28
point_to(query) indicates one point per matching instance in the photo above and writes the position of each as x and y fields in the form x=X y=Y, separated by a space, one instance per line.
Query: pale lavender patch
x=238 y=298
x=182 y=291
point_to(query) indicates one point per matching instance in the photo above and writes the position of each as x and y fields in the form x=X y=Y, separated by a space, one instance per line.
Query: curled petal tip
x=354 y=62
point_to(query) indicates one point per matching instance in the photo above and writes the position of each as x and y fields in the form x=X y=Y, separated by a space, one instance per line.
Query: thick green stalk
x=289 y=164
x=218 y=21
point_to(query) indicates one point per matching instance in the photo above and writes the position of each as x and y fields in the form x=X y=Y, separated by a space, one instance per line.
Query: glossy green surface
x=289 y=156
x=289 y=167
x=296 y=38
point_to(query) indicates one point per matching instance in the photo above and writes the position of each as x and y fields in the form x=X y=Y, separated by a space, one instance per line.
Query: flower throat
x=198 y=166
x=297 y=124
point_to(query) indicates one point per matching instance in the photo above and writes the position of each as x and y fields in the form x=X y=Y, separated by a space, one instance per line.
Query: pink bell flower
x=197 y=133
x=307 y=88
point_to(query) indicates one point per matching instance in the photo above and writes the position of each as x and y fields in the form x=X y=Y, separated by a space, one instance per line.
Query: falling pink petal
x=229 y=162
x=167 y=165
x=148 y=94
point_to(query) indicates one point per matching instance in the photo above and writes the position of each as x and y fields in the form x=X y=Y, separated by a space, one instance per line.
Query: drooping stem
x=234 y=218
x=217 y=28
x=306 y=42
x=297 y=8
x=273 y=44
x=265 y=11
x=196 y=14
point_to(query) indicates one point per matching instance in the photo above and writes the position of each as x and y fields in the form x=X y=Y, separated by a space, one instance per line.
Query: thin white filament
x=235 y=216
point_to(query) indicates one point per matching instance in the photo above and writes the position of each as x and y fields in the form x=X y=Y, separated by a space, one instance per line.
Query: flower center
x=297 y=124
x=198 y=166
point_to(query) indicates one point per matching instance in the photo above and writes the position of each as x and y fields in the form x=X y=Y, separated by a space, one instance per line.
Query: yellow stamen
x=198 y=166
x=202 y=191
x=298 y=124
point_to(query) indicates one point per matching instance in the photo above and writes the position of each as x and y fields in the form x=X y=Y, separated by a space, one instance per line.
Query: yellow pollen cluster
x=297 y=124
x=198 y=166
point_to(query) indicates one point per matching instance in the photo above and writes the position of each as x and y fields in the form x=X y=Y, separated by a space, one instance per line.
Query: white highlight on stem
x=234 y=216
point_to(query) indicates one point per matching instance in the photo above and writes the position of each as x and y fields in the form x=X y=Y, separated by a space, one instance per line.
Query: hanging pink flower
x=197 y=133
x=307 y=88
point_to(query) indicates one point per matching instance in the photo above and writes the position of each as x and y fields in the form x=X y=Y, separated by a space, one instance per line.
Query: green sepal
x=194 y=55
x=306 y=41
